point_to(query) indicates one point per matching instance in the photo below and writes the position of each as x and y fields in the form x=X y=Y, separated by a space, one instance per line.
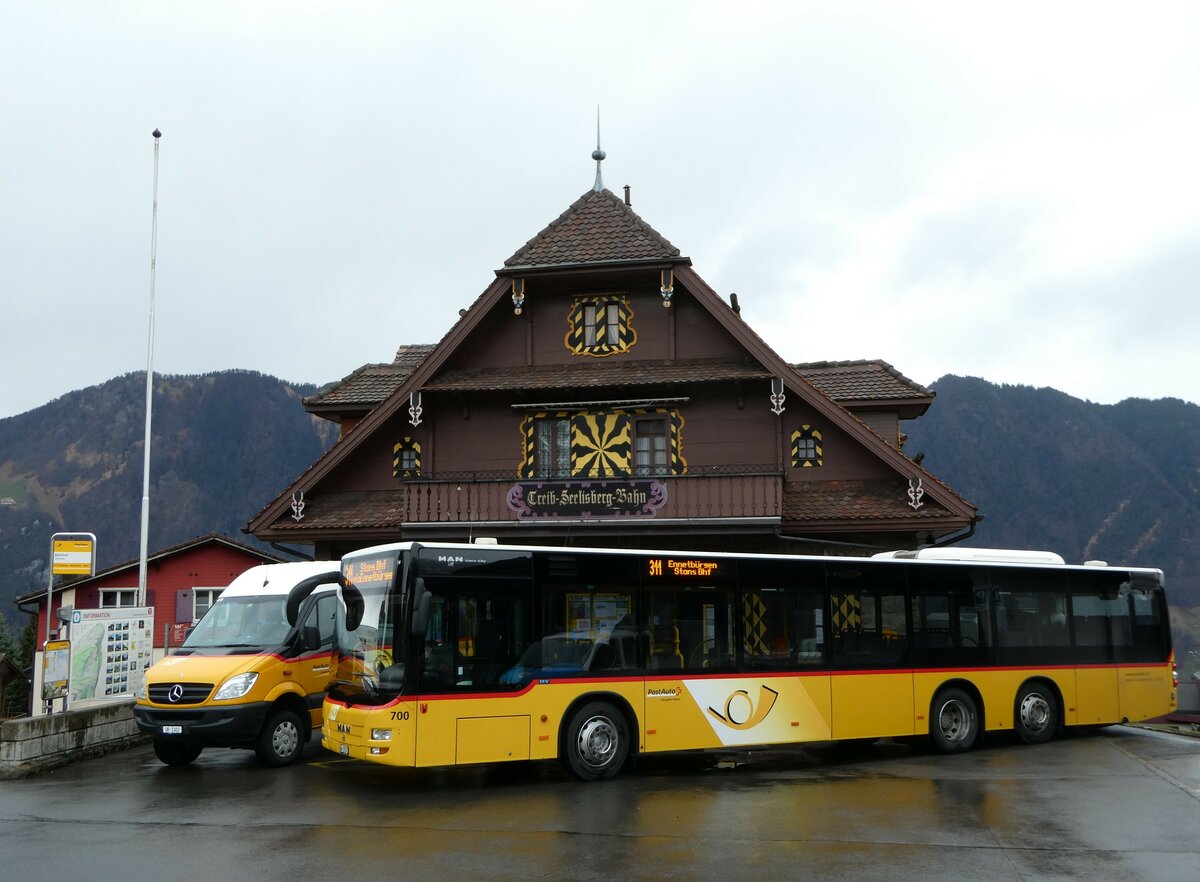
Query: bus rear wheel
x=1036 y=714
x=176 y=753
x=596 y=743
x=953 y=721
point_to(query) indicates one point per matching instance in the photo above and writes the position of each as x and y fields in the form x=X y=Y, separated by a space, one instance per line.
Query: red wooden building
x=181 y=583
x=600 y=392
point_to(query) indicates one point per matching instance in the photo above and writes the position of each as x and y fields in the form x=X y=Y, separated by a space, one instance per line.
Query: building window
x=552 y=448
x=406 y=458
x=806 y=448
x=202 y=599
x=600 y=325
x=650 y=446
x=115 y=597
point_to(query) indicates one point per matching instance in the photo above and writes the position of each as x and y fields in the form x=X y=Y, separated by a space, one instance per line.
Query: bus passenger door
x=1096 y=687
x=477 y=632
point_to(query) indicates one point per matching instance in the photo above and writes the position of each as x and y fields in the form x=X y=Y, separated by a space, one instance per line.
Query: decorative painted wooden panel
x=601 y=445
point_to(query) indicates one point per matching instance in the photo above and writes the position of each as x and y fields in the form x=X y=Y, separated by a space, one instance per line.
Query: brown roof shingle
x=334 y=511
x=861 y=380
x=371 y=383
x=597 y=228
x=843 y=381
x=853 y=501
x=597 y=374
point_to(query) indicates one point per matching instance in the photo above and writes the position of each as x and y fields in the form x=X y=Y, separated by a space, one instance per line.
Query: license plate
x=172 y=730
x=344 y=749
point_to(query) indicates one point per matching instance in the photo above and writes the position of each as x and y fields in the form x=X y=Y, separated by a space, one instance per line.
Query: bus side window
x=948 y=629
x=868 y=615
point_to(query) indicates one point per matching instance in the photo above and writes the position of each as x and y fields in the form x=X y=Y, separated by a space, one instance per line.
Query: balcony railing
x=730 y=492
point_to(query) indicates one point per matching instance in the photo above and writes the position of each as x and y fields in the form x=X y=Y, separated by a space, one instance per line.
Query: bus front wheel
x=281 y=739
x=953 y=721
x=597 y=742
x=1036 y=714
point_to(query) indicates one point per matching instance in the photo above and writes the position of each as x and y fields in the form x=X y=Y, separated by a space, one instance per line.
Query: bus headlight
x=381 y=734
x=236 y=687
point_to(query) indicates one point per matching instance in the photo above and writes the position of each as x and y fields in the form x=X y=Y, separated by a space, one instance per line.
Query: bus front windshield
x=249 y=623
x=371 y=644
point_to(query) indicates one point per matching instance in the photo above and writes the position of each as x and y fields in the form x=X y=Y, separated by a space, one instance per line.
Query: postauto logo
x=743 y=712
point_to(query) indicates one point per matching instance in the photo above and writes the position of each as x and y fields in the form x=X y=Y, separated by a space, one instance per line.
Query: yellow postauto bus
x=452 y=654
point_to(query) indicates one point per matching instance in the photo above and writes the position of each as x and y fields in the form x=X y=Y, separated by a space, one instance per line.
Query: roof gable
x=597 y=228
x=623 y=237
x=188 y=547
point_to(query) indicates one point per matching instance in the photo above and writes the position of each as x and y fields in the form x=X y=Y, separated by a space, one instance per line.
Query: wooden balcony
x=477 y=499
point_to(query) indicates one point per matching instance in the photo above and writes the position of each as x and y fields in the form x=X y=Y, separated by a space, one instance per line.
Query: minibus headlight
x=381 y=734
x=236 y=687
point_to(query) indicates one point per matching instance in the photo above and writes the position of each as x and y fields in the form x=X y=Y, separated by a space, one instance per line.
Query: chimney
x=627 y=202
x=737 y=310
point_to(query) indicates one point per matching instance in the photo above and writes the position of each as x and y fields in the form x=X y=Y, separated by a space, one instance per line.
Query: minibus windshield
x=241 y=623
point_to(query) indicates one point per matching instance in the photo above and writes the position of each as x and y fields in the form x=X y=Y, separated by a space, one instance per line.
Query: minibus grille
x=180 y=693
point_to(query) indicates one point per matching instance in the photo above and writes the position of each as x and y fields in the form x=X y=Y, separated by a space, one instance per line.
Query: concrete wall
x=35 y=744
x=1189 y=698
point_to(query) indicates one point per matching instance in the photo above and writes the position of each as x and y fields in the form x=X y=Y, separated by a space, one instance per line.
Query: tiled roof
x=597 y=228
x=843 y=381
x=596 y=374
x=853 y=501
x=335 y=511
x=862 y=380
x=371 y=383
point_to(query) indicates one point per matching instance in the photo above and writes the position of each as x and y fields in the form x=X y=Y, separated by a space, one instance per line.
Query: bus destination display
x=692 y=567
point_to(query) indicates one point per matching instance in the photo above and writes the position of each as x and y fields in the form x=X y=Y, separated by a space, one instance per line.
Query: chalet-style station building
x=599 y=392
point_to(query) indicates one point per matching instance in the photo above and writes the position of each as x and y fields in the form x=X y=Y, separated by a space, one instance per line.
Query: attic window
x=806 y=448
x=600 y=325
x=406 y=458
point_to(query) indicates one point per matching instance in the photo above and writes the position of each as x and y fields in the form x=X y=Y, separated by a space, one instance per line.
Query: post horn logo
x=742 y=713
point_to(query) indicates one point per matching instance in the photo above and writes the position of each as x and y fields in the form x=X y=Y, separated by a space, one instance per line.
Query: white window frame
x=212 y=593
x=111 y=598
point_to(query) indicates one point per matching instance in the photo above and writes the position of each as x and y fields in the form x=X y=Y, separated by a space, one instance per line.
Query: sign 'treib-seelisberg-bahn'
x=631 y=498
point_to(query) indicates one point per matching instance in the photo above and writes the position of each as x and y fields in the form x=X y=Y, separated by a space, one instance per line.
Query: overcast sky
x=998 y=190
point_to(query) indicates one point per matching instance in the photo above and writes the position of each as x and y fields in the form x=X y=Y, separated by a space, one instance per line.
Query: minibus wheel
x=953 y=721
x=1036 y=713
x=596 y=742
x=281 y=739
x=176 y=753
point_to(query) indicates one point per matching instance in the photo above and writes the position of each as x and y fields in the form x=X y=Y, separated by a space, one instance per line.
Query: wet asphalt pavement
x=1123 y=804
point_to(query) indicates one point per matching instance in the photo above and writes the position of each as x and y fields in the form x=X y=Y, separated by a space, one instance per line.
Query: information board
x=111 y=649
x=56 y=656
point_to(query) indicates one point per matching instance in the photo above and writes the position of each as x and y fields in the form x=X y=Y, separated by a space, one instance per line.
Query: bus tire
x=176 y=753
x=953 y=721
x=1035 y=715
x=596 y=744
x=281 y=740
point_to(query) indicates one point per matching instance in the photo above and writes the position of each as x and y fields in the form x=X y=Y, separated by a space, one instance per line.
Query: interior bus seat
x=664 y=648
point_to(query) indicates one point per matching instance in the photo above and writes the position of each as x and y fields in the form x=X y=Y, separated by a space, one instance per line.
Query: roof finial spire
x=598 y=154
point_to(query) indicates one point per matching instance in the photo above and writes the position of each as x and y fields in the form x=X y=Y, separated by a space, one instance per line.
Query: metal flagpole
x=141 y=598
